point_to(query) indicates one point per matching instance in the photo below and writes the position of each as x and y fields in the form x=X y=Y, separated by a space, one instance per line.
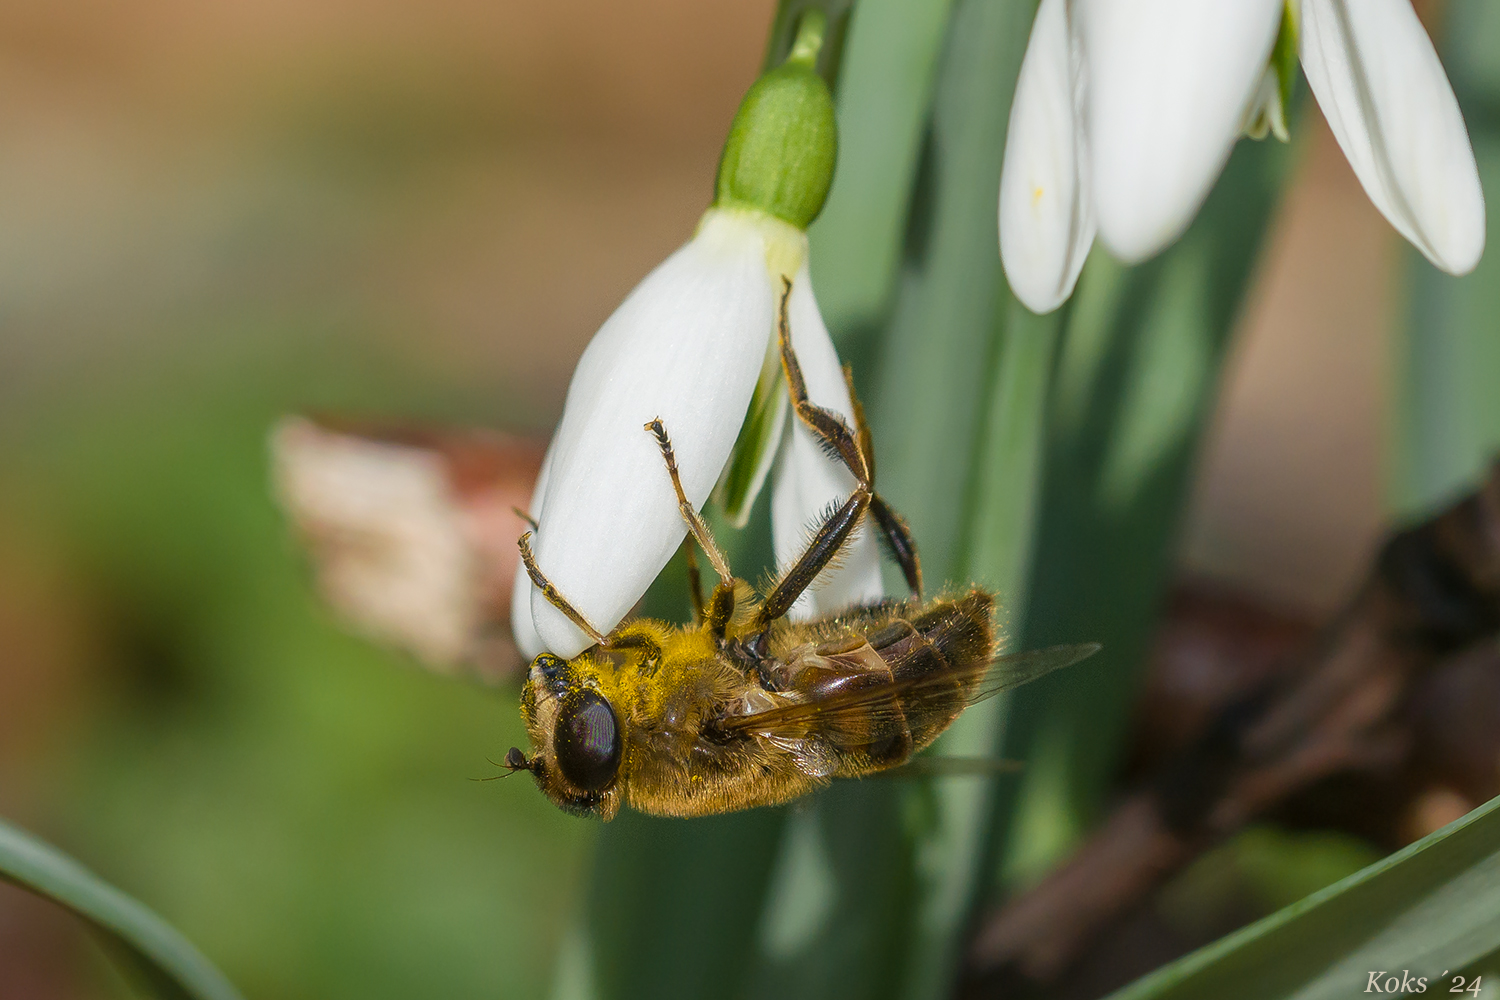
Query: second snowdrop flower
x=1126 y=112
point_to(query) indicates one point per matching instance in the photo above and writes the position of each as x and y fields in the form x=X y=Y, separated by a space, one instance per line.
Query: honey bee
x=744 y=708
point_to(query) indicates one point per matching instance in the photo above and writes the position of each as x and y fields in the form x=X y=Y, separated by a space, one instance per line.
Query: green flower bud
x=781 y=148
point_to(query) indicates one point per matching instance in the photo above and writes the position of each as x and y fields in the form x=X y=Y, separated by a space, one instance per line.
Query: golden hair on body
x=744 y=708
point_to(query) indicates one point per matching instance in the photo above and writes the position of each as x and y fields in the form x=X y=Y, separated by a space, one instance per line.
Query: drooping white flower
x=1130 y=108
x=685 y=346
x=689 y=346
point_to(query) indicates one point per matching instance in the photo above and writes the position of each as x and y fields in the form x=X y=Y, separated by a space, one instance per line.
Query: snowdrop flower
x=1125 y=113
x=694 y=344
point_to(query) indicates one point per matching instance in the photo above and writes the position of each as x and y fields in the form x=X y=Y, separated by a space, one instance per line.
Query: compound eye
x=586 y=743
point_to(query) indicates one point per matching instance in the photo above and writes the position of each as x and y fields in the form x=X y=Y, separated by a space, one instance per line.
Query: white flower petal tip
x=1046 y=208
x=1384 y=94
x=528 y=640
x=806 y=481
x=685 y=346
x=1169 y=85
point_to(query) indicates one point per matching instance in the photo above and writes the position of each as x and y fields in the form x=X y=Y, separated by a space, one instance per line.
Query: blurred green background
x=211 y=215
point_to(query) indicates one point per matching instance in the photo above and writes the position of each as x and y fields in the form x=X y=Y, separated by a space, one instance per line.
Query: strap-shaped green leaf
x=1431 y=907
x=163 y=957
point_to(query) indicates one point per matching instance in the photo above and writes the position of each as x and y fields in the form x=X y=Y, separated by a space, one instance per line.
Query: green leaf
x=999 y=528
x=161 y=956
x=674 y=906
x=1431 y=907
x=931 y=394
x=884 y=98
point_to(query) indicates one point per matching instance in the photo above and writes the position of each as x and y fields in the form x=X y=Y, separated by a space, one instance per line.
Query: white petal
x=1046 y=206
x=685 y=346
x=523 y=630
x=528 y=640
x=1384 y=93
x=1169 y=83
x=806 y=480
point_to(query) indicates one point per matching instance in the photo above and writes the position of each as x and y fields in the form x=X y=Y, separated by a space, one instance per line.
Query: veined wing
x=925 y=765
x=871 y=710
x=1014 y=669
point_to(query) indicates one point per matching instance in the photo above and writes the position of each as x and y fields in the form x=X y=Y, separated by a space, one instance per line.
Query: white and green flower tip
x=1126 y=111
x=690 y=345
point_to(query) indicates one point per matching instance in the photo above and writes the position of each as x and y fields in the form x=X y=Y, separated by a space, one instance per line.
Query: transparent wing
x=1014 y=669
x=924 y=766
x=872 y=709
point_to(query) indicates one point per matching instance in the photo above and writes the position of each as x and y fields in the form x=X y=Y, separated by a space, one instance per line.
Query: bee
x=744 y=708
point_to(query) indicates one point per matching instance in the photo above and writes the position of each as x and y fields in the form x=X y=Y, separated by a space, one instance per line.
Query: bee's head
x=575 y=734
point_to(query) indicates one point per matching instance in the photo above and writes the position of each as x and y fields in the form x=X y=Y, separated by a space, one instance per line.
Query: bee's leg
x=694 y=521
x=828 y=427
x=695 y=581
x=721 y=603
x=830 y=537
x=556 y=599
x=853 y=447
x=624 y=638
x=898 y=542
x=893 y=529
x=861 y=428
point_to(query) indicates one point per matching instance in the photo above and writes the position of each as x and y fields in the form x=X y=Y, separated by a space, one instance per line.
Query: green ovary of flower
x=782 y=145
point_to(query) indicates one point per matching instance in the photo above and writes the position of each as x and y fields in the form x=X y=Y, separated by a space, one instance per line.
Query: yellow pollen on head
x=1036 y=195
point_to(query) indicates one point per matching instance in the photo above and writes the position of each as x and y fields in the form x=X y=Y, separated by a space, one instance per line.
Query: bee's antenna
x=514 y=761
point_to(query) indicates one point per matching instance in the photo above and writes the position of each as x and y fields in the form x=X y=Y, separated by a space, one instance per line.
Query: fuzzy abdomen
x=890 y=680
x=940 y=638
